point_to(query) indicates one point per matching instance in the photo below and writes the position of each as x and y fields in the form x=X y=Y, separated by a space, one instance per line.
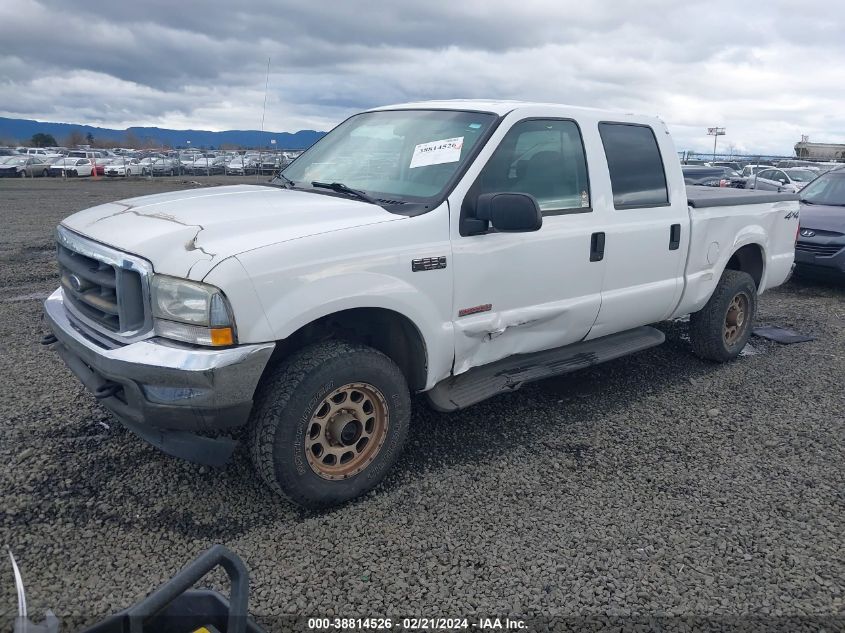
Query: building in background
x=819 y=151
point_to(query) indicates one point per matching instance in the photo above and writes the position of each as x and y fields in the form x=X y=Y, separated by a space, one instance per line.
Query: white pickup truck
x=458 y=249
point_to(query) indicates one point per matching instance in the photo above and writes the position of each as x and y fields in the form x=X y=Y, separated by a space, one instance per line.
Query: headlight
x=191 y=311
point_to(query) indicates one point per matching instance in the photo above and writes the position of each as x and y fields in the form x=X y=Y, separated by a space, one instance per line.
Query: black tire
x=22 y=173
x=294 y=391
x=709 y=327
x=74 y=173
x=45 y=173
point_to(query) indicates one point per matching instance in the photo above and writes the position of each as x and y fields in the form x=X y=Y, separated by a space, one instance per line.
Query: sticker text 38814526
x=447 y=150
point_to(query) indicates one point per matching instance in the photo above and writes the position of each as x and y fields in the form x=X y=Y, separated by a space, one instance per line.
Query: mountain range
x=20 y=131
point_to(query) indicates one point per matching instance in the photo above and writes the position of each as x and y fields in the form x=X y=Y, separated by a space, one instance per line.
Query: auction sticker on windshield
x=447 y=150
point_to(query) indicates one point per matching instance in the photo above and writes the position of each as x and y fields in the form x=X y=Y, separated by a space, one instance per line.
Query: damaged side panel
x=485 y=338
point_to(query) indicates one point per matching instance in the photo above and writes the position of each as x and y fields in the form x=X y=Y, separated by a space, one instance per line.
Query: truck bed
x=699 y=197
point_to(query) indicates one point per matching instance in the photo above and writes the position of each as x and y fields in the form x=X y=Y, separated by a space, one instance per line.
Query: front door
x=517 y=293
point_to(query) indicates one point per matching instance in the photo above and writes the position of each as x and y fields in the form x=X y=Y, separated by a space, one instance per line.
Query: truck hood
x=187 y=233
x=822 y=217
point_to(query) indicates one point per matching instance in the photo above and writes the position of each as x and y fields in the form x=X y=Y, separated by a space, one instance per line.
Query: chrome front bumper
x=156 y=387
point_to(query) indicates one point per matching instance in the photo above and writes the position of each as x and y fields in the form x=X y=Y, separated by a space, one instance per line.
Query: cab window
x=544 y=158
x=635 y=164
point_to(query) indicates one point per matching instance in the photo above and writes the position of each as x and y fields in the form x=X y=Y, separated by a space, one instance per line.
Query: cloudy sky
x=768 y=72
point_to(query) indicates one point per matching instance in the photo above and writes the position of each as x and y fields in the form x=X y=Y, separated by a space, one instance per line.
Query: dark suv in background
x=712 y=176
x=820 y=249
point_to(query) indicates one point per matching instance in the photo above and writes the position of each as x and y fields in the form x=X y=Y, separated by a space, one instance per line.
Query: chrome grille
x=105 y=289
x=825 y=250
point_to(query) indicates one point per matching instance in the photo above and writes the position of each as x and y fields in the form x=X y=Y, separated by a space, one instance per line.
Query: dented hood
x=187 y=233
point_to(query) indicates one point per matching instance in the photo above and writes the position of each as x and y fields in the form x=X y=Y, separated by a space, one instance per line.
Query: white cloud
x=768 y=76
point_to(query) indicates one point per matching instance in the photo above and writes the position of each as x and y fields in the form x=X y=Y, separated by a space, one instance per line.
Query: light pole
x=715 y=132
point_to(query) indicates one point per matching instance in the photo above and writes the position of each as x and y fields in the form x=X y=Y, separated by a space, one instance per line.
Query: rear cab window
x=637 y=176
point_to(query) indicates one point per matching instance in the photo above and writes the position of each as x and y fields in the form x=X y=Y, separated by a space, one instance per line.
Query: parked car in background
x=24 y=166
x=72 y=167
x=820 y=249
x=84 y=153
x=160 y=166
x=270 y=164
x=7 y=151
x=712 y=176
x=790 y=180
x=102 y=162
x=40 y=152
x=207 y=166
x=750 y=170
x=731 y=164
x=246 y=164
x=125 y=167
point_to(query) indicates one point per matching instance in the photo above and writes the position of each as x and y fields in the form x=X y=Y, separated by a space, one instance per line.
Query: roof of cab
x=504 y=106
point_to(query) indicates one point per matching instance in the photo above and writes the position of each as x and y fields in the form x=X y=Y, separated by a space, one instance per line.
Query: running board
x=509 y=374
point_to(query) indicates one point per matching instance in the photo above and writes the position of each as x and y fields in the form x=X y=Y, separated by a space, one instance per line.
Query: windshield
x=396 y=154
x=827 y=189
x=801 y=175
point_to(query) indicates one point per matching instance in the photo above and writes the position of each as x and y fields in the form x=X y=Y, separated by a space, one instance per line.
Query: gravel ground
x=654 y=485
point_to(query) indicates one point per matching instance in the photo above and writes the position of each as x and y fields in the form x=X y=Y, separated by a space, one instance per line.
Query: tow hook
x=107 y=390
x=48 y=339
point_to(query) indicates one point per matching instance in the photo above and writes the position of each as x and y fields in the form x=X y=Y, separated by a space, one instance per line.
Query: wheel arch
x=749 y=258
x=386 y=330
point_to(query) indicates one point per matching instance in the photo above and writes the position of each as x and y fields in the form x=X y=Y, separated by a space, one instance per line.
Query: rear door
x=648 y=230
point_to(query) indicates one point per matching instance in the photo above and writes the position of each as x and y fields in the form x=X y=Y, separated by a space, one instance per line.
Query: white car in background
x=72 y=167
x=125 y=167
x=246 y=164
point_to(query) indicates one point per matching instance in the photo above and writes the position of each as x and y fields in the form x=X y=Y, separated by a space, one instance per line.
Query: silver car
x=791 y=179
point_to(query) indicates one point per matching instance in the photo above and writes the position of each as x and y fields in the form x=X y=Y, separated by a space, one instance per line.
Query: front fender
x=305 y=303
x=303 y=280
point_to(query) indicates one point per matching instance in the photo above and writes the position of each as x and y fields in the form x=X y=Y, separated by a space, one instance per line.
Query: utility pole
x=715 y=132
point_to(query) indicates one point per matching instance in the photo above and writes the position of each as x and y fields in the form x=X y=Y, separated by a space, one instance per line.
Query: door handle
x=596 y=247
x=674 y=237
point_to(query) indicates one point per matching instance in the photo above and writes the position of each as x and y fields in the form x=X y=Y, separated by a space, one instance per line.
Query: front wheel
x=720 y=330
x=329 y=422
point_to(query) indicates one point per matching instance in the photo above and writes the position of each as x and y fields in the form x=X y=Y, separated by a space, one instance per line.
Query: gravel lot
x=654 y=485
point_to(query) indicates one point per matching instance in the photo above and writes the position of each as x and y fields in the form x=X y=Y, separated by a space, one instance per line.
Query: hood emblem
x=808 y=233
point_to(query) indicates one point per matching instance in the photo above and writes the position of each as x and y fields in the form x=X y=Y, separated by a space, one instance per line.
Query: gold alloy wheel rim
x=736 y=318
x=346 y=431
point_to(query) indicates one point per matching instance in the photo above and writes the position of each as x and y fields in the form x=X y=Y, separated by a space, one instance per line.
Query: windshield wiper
x=287 y=180
x=341 y=188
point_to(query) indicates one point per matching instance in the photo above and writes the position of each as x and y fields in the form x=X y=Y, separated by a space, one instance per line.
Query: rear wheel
x=329 y=422
x=44 y=173
x=720 y=330
x=22 y=173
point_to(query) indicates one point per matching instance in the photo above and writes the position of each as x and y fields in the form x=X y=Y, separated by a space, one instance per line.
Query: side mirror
x=506 y=212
